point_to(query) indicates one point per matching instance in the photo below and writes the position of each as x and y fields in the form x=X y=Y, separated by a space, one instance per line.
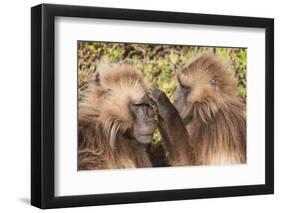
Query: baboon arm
x=173 y=131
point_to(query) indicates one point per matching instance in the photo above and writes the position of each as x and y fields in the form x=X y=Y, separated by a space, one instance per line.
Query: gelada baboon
x=115 y=120
x=211 y=110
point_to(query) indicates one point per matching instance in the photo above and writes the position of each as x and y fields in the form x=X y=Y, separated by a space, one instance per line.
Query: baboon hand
x=160 y=102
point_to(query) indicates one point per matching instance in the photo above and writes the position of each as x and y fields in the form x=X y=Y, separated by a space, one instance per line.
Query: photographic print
x=154 y=105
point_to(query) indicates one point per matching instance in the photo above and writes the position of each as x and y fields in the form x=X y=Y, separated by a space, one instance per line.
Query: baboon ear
x=97 y=81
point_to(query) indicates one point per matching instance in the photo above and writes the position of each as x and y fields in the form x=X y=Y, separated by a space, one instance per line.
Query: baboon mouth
x=144 y=139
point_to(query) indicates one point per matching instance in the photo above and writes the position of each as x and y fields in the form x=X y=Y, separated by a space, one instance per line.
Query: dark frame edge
x=155 y=15
x=36 y=85
x=42 y=107
x=154 y=196
x=269 y=106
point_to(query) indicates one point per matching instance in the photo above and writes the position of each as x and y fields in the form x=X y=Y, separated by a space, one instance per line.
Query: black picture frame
x=43 y=102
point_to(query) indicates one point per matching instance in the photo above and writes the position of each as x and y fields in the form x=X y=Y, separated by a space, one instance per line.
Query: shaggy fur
x=104 y=117
x=214 y=114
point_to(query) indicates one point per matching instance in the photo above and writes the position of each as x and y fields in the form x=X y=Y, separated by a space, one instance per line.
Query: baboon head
x=205 y=86
x=120 y=103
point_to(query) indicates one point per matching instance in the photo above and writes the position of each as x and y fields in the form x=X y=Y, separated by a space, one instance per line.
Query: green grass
x=159 y=63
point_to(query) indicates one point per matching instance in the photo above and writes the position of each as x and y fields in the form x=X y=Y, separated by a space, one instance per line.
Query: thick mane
x=217 y=122
x=107 y=98
x=208 y=66
x=222 y=139
x=118 y=76
x=104 y=117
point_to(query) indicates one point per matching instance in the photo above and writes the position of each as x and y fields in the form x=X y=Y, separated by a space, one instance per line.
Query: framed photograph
x=139 y=106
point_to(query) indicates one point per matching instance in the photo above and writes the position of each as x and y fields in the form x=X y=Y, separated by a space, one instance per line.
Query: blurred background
x=159 y=63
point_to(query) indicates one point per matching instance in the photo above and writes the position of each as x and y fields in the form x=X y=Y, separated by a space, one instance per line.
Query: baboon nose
x=147 y=130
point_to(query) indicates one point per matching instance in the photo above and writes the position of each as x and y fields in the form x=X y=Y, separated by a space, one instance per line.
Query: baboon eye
x=108 y=91
x=213 y=82
x=141 y=107
x=138 y=106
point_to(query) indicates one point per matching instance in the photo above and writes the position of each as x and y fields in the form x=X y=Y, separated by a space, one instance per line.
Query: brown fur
x=215 y=116
x=104 y=118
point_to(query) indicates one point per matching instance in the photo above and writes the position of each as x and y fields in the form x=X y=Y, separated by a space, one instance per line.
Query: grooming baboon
x=214 y=116
x=115 y=120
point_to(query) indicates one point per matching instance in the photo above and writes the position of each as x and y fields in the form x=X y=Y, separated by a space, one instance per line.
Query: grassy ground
x=159 y=63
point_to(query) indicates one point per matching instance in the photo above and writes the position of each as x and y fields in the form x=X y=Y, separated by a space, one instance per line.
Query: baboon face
x=204 y=86
x=144 y=123
x=123 y=103
x=194 y=88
